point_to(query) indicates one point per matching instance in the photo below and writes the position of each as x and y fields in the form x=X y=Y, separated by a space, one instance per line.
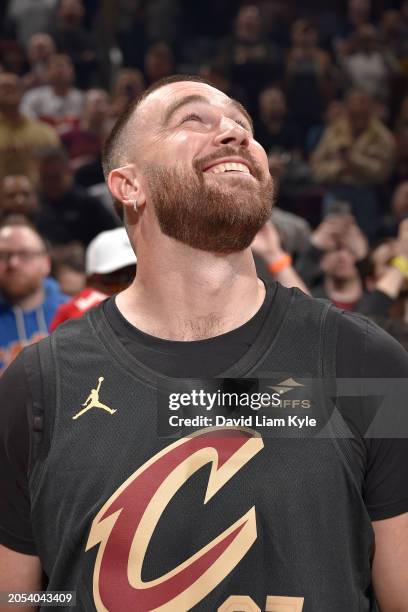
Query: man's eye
x=243 y=124
x=192 y=117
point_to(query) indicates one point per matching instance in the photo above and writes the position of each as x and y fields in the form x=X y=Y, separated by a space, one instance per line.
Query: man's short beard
x=16 y=292
x=206 y=216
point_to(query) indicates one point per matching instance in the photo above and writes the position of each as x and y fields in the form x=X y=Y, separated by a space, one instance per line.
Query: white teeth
x=229 y=166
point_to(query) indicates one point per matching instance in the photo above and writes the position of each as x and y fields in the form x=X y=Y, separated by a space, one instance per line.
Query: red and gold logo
x=125 y=525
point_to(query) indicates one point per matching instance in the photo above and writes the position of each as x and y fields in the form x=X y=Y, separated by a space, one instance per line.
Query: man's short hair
x=19 y=221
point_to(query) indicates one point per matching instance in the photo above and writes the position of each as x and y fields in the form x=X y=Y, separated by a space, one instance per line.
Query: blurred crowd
x=326 y=85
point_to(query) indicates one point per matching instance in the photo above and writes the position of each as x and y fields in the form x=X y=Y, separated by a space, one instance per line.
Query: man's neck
x=345 y=290
x=184 y=294
x=32 y=301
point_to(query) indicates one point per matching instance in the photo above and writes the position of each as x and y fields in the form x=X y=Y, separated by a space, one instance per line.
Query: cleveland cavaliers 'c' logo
x=124 y=526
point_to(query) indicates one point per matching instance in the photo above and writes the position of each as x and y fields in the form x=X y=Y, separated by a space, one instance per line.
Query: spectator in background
x=29 y=299
x=294 y=231
x=110 y=268
x=334 y=111
x=68 y=268
x=162 y=19
x=358 y=14
x=84 y=144
x=18 y=198
x=20 y=137
x=216 y=73
x=354 y=157
x=12 y=56
x=275 y=130
x=58 y=103
x=30 y=16
x=129 y=84
x=389 y=262
x=281 y=138
x=394 y=33
x=68 y=213
x=159 y=62
x=337 y=262
x=253 y=61
x=308 y=77
x=131 y=33
x=342 y=283
x=39 y=50
x=337 y=231
x=272 y=260
x=72 y=39
x=369 y=65
x=84 y=141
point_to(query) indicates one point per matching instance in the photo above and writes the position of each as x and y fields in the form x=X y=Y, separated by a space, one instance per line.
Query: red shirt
x=345 y=305
x=76 y=307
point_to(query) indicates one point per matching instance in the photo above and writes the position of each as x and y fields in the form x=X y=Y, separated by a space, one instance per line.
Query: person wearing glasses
x=28 y=298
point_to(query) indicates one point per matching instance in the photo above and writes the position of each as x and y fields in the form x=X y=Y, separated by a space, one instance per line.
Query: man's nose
x=13 y=260
x=19 y=199
x=230 y=132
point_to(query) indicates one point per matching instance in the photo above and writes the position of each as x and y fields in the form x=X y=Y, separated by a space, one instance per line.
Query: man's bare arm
x=390 y=567
x=18 y=573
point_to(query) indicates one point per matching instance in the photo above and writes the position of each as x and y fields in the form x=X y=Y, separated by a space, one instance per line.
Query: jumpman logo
x=92 y=401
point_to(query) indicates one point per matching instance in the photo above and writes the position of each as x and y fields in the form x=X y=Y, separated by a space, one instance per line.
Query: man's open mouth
x=228 y=167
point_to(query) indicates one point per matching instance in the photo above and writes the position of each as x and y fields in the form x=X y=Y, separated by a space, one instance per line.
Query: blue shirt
x=18 y=327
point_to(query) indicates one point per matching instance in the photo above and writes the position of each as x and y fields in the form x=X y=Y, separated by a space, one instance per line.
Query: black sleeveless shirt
x=237 y=518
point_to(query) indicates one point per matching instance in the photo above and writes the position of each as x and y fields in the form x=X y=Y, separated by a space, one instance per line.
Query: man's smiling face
x=201 y=168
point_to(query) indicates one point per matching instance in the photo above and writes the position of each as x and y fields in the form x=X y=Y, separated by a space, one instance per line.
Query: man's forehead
x=15 y=182
x=20 y=234
x=160 y=100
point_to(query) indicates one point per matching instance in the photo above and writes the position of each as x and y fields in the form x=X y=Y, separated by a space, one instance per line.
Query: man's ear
x=125 y=187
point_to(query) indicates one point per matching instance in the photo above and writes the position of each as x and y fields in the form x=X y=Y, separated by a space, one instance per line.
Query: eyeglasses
x=23 y=256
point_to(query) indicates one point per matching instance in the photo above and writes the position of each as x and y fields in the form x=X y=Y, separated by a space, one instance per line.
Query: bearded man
x=28 y=298
x=134 y=507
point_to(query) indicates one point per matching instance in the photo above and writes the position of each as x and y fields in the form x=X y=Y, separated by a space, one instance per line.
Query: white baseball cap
x=109 y=251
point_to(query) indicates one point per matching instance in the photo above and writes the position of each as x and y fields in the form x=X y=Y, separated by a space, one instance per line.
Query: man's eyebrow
x=182 y=102
x=199 y=98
